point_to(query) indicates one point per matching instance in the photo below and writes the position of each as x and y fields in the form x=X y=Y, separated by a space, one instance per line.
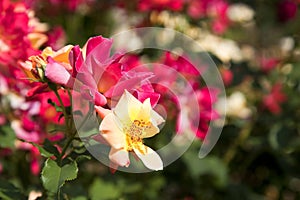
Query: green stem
x=70 y=96
x=61 y=105
x=86 y=117
x=65 y=148
x=70 y=135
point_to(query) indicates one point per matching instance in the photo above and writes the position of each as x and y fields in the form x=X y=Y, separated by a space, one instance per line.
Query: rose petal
x=154 y=97
x=100 y=99
x=127 y=105
x=94 y=96
x=99 y=138
x=98 y=48
x=62 y=55
x=144 y=112
x=102 y=112
x=32 y=136
x=119 y=157
x=57 y=73
x=156 y=118
x=76 y=59
x=150 y=159
x=111 y=132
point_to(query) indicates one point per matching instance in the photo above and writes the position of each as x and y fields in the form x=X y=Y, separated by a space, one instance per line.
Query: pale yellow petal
x=111 y=132
x=47 y=52
x=150 y=131
x=144 y=112
x=119 y=157
x=156 y=119
x=121 y=109
x=133 y=105
x=150 y=159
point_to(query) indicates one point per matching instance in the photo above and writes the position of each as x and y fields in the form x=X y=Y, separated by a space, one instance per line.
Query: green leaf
x=43 y=151
x=7 y=137
x=103 y=190
x=54 y=177
x=9 y=192
x=48 y=146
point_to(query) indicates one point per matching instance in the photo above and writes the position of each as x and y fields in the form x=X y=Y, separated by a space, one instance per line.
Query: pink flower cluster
x=20 y=34
x=98 y=76
x=31 y=117
x=216 y=10
x=205 y=96
x=70 y=5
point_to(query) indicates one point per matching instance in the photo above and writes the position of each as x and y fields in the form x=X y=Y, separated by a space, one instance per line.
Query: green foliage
x=54 y=176
x=47 y=150
x=43 y=151
x=102 y=190
x=210 y=165
x=7 y=137
x=9 y=192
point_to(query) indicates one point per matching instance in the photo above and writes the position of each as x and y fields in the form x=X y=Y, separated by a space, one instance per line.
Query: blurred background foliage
x=257 y=155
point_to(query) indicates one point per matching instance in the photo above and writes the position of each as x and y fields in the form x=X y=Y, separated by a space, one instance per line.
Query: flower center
x=134 y=133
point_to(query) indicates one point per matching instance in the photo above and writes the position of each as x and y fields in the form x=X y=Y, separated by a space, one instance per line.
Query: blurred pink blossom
x=287 y=10
x=56 y=38
x=20 y=34
x=267 y=64
x=197 y=121
x=2 y=119
x=274 y=99
x=207 y=97
x=71 y=5
x=227 y=76
x=215 y=9
x=147 y=5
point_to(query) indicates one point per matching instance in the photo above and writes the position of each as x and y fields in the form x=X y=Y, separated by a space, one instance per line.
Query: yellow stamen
x=134 y=134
